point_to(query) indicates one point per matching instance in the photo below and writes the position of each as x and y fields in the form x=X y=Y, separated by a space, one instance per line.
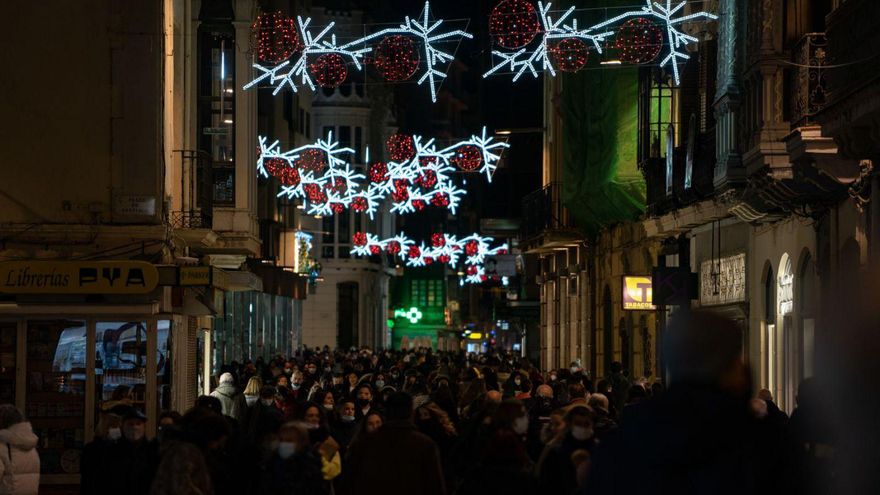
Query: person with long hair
x=252 y=390
x=182 y=471
x=323 y=444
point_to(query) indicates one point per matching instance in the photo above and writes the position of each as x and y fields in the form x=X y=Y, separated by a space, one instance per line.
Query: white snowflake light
x=330 y=183
x=444 y=248
x=523 y=60
x=285 y=74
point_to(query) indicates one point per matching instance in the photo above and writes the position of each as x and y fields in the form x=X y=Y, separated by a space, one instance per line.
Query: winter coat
x=396 y=443
x=19 y=461
x=232 y=402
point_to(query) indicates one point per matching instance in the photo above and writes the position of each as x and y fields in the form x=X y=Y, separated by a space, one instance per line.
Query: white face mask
x=286 y=449
x=380 y=383
x=328 y=407
x=581 y=432
x=114 y=434
x=521 y=425
x=348 y=419
x=295 y=386
x=267 y=402
x=517 y=382
x=574 y=369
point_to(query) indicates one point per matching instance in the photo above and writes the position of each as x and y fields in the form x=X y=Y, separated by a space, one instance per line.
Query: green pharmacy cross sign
x=413 y=314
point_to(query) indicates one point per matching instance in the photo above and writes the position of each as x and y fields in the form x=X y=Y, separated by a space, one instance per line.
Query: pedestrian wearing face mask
x=263 y=420
x=97 y=452
x=556 y=469
x=343 y=426
x=293 y=467
x=131 y=462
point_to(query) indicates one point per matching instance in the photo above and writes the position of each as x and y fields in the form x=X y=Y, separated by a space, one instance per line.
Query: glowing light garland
x=444 y=248
x=286 y=74
x=320 y=173
x=541 y=57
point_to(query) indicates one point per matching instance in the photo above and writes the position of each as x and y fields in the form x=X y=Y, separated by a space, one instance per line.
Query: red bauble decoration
x=359 y=204
x=502 y=251
x=427 y=161
x=400 y=147
x=359 y=239
x=471 y=248
x=314 y=193
x=428 y=179
x=339 y=186
x=375 y=249
x=337 y=207
x=378 y=172
x=274 y=166
x=467 y=158
x=444 y=258
x=275 y=37
x=639 y=41
x=311 y=160
x=419 y=205
x=429 y=260
x=396 y=58
x=393 y=247
x=401 y=190
x=440 y=199
x=569 y=54
x=438 y=240
x=513 y=23
x=471 y=270
x=414 y=252
x=289 y=176
x=329 y=70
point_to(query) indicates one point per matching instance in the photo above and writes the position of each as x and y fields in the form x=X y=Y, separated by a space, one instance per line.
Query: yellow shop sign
x=78 y=277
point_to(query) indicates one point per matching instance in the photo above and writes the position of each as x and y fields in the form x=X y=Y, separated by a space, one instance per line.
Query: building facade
x=757 y=169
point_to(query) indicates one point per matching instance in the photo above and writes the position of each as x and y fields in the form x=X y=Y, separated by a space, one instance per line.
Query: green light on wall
x=413 y=314
x=390 y=323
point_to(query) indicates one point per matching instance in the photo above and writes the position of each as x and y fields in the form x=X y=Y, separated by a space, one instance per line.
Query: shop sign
x=723 y=281
x=78 y=277
x=135 y=205
x=195 y=275
x=638 y=293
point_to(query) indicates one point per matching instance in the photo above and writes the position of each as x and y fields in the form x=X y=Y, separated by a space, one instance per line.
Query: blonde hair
x=254 y=385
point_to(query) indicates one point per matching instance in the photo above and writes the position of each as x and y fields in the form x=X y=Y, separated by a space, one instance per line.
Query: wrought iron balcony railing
x=193 y=219
x=808 y=85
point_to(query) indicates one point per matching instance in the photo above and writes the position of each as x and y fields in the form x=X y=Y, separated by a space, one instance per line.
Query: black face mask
x=363 y=402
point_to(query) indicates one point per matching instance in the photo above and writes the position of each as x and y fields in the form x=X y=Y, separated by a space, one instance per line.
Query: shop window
x=120 y=364
x=55 y=405
x=8 y=341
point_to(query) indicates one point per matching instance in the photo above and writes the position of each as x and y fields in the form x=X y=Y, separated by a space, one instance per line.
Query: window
x=358 y=144
x=302 y=121
x=427 y=293
x=345 y=136
x=216 y=114
x=658 y=111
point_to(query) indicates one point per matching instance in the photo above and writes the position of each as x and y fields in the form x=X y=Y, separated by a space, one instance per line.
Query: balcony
x=193 y=219
x=809 y=87
x=547 y=223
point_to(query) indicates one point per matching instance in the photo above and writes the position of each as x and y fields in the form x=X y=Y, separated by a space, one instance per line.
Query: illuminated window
x=427 y=293
x=658 y=110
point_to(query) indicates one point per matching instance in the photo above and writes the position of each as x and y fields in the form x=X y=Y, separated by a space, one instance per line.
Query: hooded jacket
x=232 y=402
x=19 y=461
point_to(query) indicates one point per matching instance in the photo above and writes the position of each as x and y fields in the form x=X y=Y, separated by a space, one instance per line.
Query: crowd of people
x=399 y=422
